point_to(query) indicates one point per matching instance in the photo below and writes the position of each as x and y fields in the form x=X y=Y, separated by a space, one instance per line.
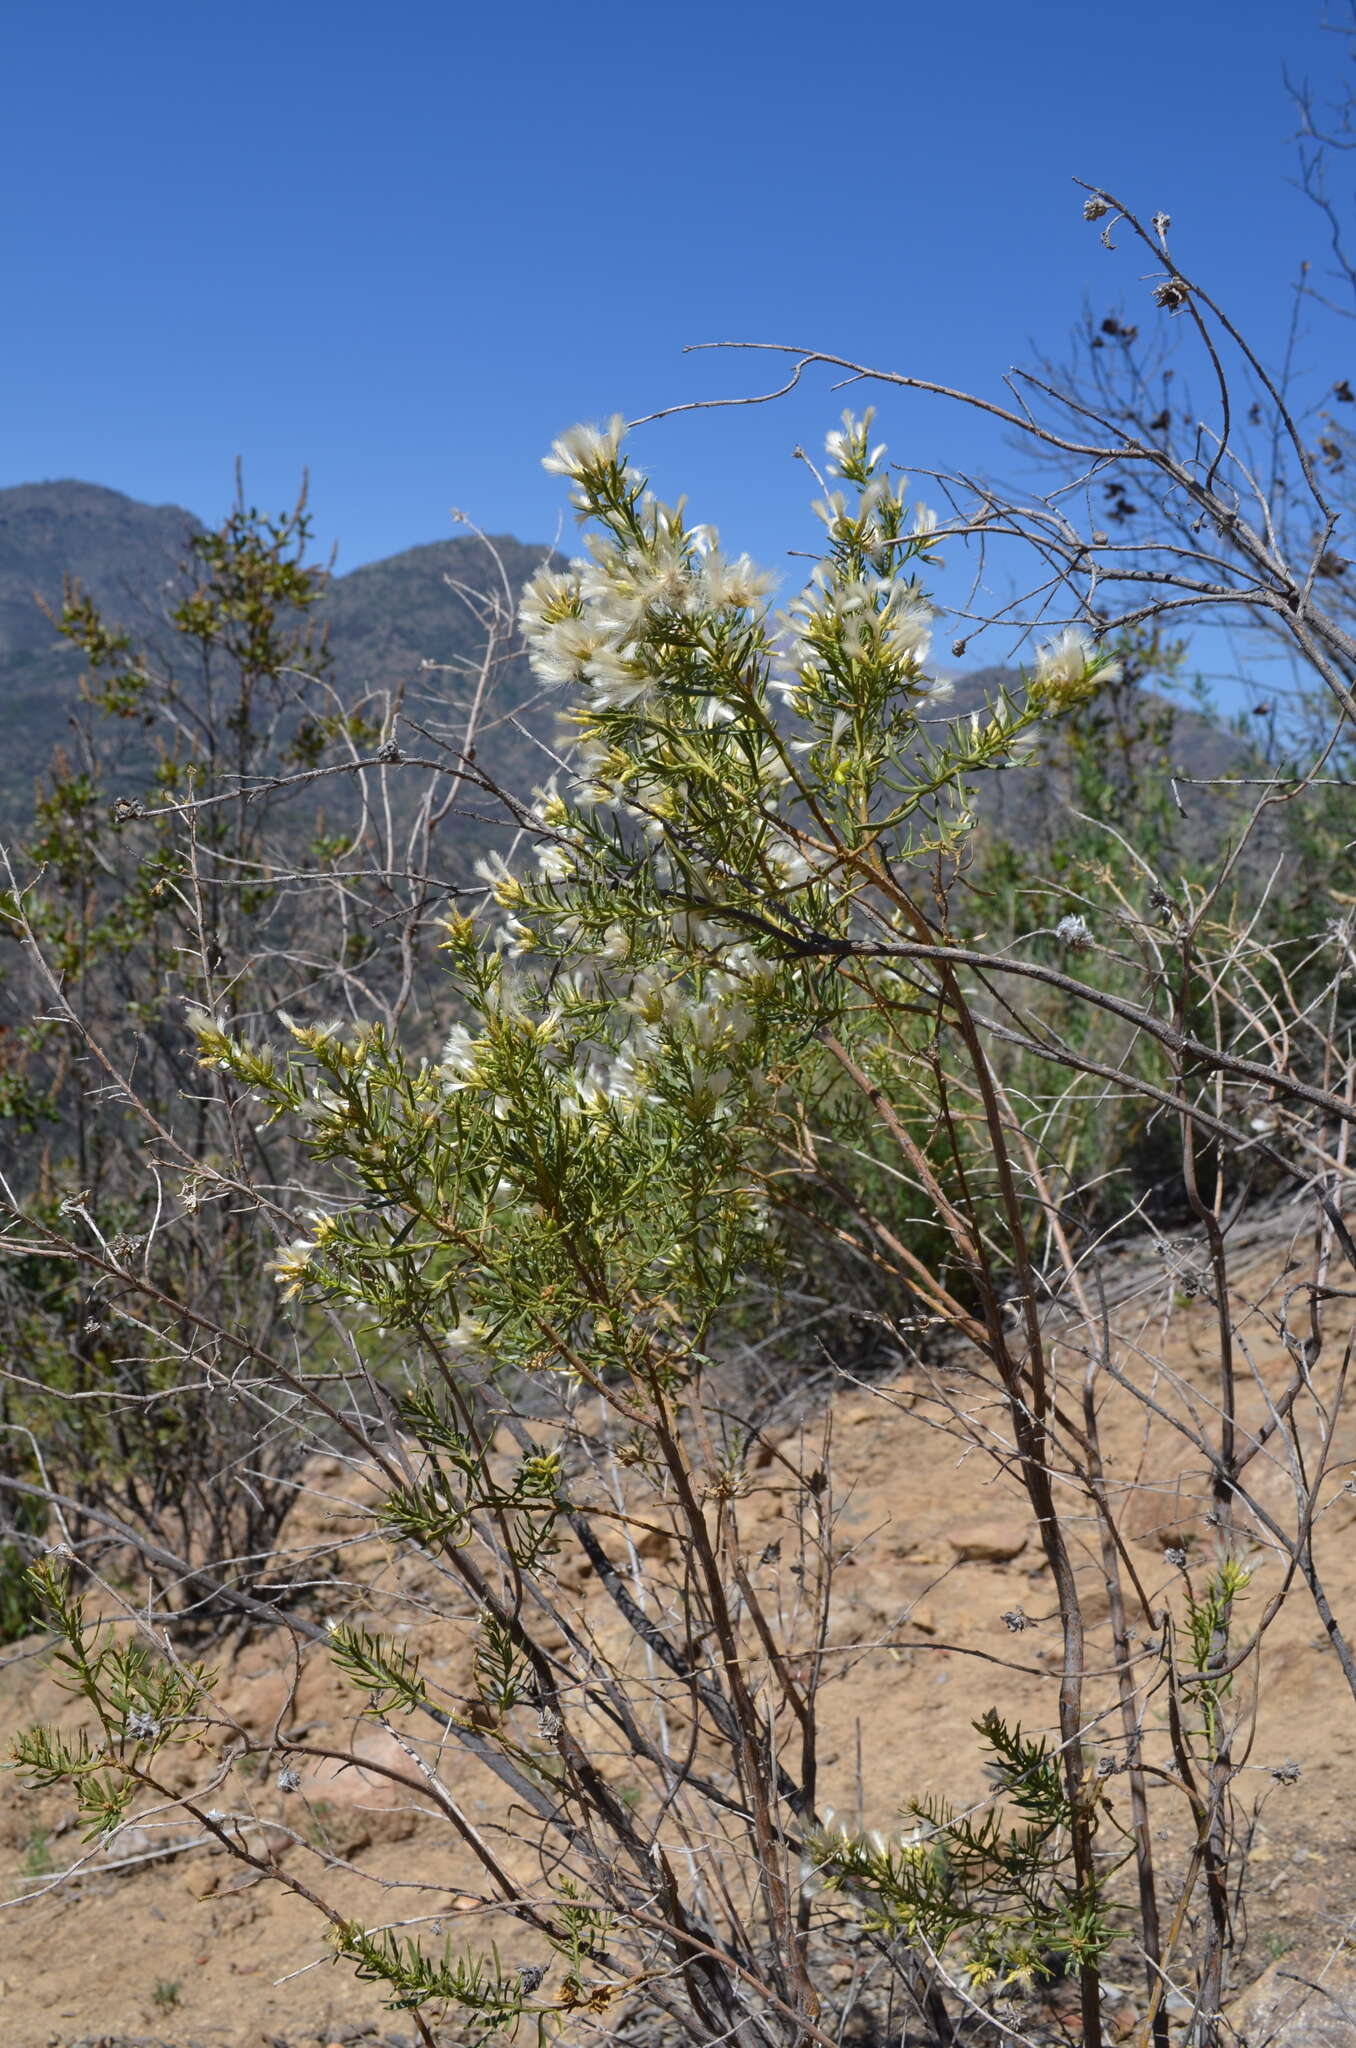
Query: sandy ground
x=188 y=1948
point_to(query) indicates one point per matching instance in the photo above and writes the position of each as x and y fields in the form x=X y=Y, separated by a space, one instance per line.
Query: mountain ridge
x=394 y=623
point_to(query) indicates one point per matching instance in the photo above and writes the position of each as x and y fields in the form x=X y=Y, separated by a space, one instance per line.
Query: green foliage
x=386 y=1673
x=725 y=1007
x=141 y=1704
x=999 y=1889
x=1209 y=1611
x=459 y=1484
x=612 y=1141
x=502 y=1670
x=493 y=1997
x=20 y=1606
x=583 y=1931
x=589 y=1164
x=135 y=906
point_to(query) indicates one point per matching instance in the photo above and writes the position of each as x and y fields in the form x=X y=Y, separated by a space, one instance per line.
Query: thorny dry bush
x=724 y=1024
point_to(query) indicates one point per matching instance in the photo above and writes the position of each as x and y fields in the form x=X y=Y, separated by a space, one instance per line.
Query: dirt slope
x=944 y=1609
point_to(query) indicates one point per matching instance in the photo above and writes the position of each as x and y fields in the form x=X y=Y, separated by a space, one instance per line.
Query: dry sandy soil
x=159 y=1940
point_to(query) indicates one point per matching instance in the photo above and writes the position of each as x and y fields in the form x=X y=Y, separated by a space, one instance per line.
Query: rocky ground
x=165 y=1942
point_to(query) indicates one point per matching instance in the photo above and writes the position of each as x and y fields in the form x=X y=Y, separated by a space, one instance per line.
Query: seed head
x=1075 y=933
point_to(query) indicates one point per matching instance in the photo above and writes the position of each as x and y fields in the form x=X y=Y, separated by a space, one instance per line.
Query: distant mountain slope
x=392 y=623
x=123 y=552
x=1027 y=806
x=387 y=620
x=401 y=621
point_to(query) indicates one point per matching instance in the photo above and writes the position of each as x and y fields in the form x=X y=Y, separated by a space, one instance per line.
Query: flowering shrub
x=722 y=982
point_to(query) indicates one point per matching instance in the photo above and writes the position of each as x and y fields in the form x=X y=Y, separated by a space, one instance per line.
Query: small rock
x=203 y=1874
x=988 y=1542
x=1279 y=2006
x=350 y=1834
x=847 y=1624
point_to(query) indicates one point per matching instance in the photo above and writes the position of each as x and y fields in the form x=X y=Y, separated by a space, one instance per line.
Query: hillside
x=126 y=554
x=934 y=1567
x=398 y=623
x=387 y=620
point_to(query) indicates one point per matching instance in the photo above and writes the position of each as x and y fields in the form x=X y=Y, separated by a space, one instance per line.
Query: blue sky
x=405 y=245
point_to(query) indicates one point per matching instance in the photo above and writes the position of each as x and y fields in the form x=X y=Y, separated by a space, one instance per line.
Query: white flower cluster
x=1068 y=671
x=849 y=448
x=584 y=448
x=599 y=625
x=880 y=618
x=671 y=1031
x=292 y=1267
x=460 y=1064
x=863 y=607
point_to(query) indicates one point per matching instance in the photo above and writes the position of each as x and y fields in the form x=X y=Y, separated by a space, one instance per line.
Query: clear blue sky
x=406 y=244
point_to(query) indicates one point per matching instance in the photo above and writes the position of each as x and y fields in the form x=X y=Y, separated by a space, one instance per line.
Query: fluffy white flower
x=665 y=581
x=773 y=771
x=503 y=884
x=584 y=448
x=832 y=510
x=202 y=1023
x=748 y=968
x=555 y=863
x=709 y=1088
x=589 y=1096
x=565 y=649
x=716 y=1024
x=549 y=807
x=548 y=598
x=1068 y=671
x=787 y=865
x=1065 y=660
x=907 y=630
x=621 y=589
x=292 y=1267
x=848 y=443
x=516 y=938
x=714 y=711
x=467 y=1334
x=616 y=684
x=735 y=586
x=629 y=1079
x=653 y=996
x=460 y=1057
